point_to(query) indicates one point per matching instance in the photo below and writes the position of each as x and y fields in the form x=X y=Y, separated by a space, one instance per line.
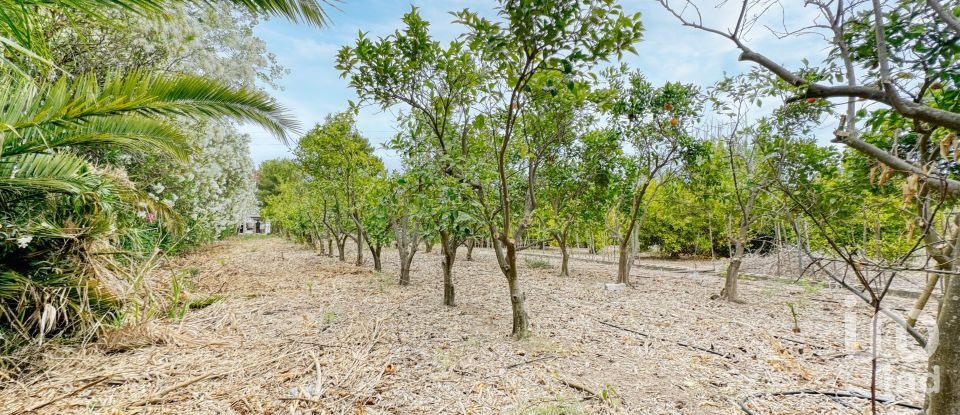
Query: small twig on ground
x=678 y=343
x=581 y=388
x=67 y=395
x=787 y=339
x=157 y=397
x=303 y=399
x=318 y=390
x=530 y=361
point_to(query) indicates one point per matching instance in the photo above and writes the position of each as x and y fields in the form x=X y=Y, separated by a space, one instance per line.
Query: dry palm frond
x=956 y=146
x=138 y=335
x=885 y=173
x=947 y=144
x=910 y=188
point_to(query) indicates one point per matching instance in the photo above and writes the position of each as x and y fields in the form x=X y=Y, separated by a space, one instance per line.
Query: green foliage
x=655 y=123
x=26 y=47
x=565 y=35
x=610 y=396
x=272 y=175
x=378 y=211
x=291 y=213
x=336 y=187
x=204 y=302
x=680 y=221
x=329 y=317
x=336 y=152
x=536 y=263
x=576 y=163
x=76 y=231
x=555 y=409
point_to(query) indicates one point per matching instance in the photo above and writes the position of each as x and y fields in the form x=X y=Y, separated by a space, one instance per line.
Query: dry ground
x=302 y=333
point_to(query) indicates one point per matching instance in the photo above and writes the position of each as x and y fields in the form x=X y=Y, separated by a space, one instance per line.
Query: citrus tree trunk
x=341 y=248
x=317 y=243
x=405 y=230
x=375 y=250
x=359 y=241
x=623 y=265
x=405 y=264
x=730 y=291
x=470 y=244
x=448 y=245
x=943 y=367
x=564 y=254
x=521 y=322
x=943 y=394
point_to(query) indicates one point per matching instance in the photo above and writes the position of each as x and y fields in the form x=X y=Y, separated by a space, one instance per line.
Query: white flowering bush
x=214 y=190
x=214 y=40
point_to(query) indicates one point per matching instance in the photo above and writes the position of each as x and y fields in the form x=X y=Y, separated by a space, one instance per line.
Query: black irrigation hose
x=832 y=395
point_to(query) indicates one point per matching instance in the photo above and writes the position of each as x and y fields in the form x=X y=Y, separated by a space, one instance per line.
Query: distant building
x=254 y=224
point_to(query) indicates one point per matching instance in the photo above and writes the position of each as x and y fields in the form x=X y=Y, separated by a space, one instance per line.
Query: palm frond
x=27 y=53
x=133 y=133
x=196 y=96
x=35 y=305
x=40 y=173
x=83 y=100
x=299 y=11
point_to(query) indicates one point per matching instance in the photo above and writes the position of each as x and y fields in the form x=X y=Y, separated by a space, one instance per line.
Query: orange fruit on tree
x=811 y=100
x=674 y=121
x=668 y=106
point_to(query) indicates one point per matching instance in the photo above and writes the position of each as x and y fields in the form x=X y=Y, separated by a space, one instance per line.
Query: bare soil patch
x=298 y=332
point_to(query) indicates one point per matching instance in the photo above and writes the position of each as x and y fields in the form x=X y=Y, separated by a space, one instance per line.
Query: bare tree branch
x=945 y=14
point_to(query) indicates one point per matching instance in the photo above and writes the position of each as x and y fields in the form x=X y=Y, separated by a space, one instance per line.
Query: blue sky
x=668 y=52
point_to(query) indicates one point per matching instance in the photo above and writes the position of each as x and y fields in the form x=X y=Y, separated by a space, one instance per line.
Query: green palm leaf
x=40 y=173
x=30 y=111
x=132 y=133
x=300 y=11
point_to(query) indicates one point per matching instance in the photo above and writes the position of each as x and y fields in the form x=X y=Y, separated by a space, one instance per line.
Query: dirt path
x=292 y=320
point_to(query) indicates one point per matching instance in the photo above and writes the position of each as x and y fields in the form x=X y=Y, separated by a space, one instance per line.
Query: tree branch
x=945 y=14
x=889 y=97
